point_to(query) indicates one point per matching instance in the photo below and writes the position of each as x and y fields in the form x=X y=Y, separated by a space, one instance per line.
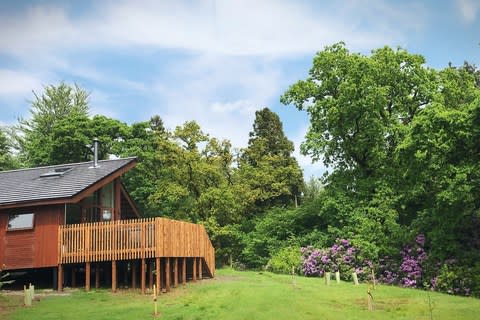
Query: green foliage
x=7 y=159
x=286 y=261
x=56 y=103
x=456 y=279
x=403 y=143
x=267 y=166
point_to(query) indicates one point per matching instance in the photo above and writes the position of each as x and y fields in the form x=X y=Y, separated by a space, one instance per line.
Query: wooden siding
x=32 y=248
x=134 y=239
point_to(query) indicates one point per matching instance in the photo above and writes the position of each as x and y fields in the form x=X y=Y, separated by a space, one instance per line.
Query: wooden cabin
x=78 y=222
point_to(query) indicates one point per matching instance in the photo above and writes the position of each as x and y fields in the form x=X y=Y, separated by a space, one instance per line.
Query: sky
x=214 y=62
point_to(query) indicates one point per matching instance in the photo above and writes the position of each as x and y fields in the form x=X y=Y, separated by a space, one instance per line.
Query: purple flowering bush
x=341 y=256
x=410 y=269
x=409 y=272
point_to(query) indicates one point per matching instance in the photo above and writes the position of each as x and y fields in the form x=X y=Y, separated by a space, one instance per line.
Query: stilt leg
x=142 y=276
x=60 y=278
x=184 y=271
x=167 y=275
x=175 y=272
x=97 y=276
x=194 y=279
x=87 y=276
x=134 y=275
x=157 y=275
x=114 y=276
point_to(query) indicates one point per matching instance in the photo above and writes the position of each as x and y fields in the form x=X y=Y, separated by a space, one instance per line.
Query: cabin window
x=20 y=221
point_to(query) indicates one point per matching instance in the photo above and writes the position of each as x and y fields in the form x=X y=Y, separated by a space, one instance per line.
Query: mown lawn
x=250 y=295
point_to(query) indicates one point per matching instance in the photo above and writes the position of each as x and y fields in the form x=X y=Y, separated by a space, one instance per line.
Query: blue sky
x=215 y=62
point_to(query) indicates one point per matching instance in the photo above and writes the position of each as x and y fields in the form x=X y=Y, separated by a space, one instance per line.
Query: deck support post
x=114 y=276
x=134 y=274
x=97 y=275
x=150 y=274
x=167 y=274
x=125 y=273
x=157 y=276
x=54 y=277
x=184 y=271
x=74 y=277
x=60 y=278
x=194 y=279
x=175 y=272
x=87 y=276
x=142 y=276
x=200 y=271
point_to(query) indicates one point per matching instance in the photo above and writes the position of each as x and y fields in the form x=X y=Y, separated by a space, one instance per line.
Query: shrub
x=284 y=260
x=455 y=279
x=342 y=256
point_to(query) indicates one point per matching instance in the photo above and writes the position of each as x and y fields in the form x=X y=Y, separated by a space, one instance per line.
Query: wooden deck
x=145 y=239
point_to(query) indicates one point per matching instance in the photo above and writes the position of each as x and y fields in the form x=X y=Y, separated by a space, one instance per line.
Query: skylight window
x=57 y=172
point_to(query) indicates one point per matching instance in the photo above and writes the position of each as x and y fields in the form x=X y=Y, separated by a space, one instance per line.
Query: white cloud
x=243 y=106
x=270 y=28
x=15 y=83
x=468 y=9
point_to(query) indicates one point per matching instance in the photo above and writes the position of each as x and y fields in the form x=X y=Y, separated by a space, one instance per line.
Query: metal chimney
x=95 y=152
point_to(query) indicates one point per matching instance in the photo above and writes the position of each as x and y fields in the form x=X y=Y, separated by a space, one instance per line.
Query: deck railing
x=134 y=239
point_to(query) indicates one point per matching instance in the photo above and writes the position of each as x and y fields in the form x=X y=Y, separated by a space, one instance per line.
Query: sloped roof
x=28 y=185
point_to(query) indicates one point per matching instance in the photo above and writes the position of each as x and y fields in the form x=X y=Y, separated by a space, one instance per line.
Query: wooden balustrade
x=134 y=239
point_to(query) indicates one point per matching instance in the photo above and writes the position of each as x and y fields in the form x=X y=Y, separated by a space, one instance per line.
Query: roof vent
x=58 y=172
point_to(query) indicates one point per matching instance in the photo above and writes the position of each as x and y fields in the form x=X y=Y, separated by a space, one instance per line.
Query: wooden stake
x=87 y=276
x=369 y=298
x=355 y=278
x=27 y=296
x=327 y=278
x=155 y=312
x=337 y=276
x=373 y=279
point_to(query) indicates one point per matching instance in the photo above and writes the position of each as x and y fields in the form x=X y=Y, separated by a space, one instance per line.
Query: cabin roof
x=58 y=181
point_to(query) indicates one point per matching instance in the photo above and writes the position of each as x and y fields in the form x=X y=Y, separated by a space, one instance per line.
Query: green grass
x=251 y=295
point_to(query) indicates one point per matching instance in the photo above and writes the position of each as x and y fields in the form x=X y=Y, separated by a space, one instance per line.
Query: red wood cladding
x=32 y=248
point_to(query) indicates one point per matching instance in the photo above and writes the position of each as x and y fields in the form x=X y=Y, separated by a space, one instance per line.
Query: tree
x=55 y=104
x=402 y=140
x=7 y=160
x=267 y=166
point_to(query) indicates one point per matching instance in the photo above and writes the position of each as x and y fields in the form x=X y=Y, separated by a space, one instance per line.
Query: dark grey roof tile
x=26 y=185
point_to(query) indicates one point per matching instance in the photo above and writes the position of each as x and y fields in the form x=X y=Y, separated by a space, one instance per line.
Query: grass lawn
x=249 y=295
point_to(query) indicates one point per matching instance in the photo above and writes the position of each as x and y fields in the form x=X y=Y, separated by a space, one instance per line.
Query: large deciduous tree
x=401 y=139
